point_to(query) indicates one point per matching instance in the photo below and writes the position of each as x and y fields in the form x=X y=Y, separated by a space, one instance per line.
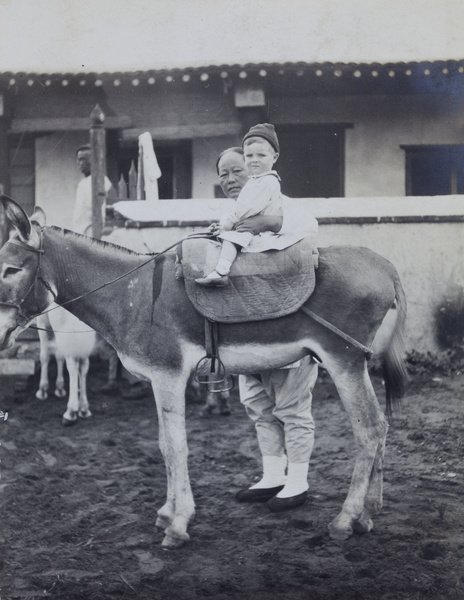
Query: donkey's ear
x=17 y=217
x=39 y=217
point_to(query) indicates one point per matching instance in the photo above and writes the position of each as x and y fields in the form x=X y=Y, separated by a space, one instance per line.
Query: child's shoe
x=214 y=279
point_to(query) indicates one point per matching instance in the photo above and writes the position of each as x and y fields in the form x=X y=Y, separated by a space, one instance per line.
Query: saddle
x=263 y=285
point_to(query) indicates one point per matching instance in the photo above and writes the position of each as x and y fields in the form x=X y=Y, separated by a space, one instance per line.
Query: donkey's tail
x=394 y=368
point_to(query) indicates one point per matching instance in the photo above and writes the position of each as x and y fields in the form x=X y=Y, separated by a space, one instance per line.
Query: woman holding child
x=278 y=401
x=260 y=196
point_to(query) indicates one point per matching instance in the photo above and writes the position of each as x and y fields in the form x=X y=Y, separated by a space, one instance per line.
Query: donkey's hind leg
x=370 y=429
x=374 y=496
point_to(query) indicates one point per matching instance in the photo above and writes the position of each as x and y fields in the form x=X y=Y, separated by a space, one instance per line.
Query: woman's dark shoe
x=279 y=504
x=258 y=494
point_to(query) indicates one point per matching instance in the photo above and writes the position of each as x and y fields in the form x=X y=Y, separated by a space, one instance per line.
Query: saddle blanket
x=263 y=285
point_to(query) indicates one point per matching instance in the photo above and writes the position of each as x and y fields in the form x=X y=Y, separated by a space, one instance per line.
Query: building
x=373 y=143
x=352 y=130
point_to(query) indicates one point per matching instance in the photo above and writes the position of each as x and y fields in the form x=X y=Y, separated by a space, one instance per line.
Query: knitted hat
x=265 y=131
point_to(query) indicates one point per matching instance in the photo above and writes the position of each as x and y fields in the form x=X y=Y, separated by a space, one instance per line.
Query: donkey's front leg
x=175 y=515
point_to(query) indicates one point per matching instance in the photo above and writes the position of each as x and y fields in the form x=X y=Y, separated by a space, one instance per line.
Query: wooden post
x=4 y=166
x=133 y=178
x=97 y=168
x=122 y=188
x=140 y=193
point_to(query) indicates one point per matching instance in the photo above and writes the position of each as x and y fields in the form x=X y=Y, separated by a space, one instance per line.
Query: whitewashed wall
x=428 y=256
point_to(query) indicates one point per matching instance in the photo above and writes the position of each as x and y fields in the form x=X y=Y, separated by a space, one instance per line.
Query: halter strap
x=37 y=277
x=21 y=244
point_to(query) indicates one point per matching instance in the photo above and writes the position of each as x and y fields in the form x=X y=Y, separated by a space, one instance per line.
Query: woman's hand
x=214 y=229
x=259 y=223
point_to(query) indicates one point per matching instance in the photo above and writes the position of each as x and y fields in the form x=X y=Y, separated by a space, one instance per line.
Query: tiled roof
x=451 y=68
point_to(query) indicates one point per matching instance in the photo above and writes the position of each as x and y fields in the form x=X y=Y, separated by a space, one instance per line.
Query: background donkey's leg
x=72 y=409
x=44 y=356
x=60 y=388
x=84 y=410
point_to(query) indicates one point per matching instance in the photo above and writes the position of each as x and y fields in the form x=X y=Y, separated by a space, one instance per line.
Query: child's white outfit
x=261 y=195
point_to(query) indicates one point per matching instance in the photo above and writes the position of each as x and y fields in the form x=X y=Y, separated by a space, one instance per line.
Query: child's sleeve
x=255 y=196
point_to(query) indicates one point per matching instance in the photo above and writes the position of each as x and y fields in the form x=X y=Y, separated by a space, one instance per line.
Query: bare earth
x=79 y=505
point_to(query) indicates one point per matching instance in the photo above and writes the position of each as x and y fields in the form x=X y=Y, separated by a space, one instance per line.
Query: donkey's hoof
x=41 y=394
x=173 y=539
x=85 y=414
x=163 y=522
x=363 y=526
x=68 y=422
x=60 y=392
x=338 y=533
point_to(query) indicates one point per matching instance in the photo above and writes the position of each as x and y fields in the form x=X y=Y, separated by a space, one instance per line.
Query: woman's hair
x=235 y=149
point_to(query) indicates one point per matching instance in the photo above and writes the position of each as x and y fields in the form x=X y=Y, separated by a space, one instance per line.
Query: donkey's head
x=23 y=292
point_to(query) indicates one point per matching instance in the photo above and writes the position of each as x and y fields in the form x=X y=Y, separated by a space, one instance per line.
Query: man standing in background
x=82 y=221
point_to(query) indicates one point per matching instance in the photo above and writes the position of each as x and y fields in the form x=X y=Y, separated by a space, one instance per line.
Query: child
x=260 y=196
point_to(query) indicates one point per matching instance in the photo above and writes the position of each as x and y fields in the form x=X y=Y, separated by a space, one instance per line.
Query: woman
x=278 y=401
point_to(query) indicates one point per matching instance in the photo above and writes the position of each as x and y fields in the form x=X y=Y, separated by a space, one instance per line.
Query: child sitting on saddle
x=261 y=195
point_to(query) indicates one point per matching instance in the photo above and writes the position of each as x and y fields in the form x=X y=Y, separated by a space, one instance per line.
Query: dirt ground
x=79 y=504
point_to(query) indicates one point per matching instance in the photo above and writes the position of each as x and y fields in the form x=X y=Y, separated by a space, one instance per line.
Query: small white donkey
x=70 y=340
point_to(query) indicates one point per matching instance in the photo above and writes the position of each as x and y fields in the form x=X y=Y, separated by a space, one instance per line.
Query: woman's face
x=233 y=174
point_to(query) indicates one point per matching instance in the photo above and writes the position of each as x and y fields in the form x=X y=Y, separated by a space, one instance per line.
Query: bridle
x=37 y=277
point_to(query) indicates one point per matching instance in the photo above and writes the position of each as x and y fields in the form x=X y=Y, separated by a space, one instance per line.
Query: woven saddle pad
x=263 y=285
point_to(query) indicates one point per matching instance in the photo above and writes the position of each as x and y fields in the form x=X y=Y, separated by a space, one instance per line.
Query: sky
x=47 y=36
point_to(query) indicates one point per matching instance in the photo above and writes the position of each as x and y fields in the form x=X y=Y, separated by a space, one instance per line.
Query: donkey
x=71 y=340
x=135 y=302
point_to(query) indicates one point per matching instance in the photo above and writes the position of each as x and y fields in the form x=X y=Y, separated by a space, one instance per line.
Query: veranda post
x=97 y=168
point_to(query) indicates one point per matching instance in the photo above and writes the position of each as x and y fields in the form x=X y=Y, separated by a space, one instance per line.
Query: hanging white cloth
x=149 y=170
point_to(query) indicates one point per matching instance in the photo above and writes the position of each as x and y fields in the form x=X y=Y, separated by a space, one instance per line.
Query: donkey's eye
x=11 y=271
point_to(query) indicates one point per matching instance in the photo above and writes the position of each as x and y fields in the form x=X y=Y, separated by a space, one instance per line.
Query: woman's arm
x=255 y=196
x=259 y=223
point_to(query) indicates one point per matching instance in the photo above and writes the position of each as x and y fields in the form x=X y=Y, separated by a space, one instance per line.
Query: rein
x=37 y=277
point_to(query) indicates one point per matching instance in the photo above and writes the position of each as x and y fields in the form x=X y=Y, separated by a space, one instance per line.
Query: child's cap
x=265 y=131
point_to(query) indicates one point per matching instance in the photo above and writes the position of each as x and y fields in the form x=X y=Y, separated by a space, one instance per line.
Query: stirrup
x=210 y=371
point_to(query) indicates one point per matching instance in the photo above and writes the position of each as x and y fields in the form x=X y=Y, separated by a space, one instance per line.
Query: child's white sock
x=297 y=480
x=273 y=472
x=223 y=266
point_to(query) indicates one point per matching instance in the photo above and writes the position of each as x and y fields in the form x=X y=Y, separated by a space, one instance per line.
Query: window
x=174 y=159
x=434 y=170
x=312 y=160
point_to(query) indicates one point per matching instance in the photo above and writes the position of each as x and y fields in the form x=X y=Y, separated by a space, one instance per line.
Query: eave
x=293 y=78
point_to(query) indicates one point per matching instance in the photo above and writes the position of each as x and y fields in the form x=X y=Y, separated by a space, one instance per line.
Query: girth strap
x=367 y=351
